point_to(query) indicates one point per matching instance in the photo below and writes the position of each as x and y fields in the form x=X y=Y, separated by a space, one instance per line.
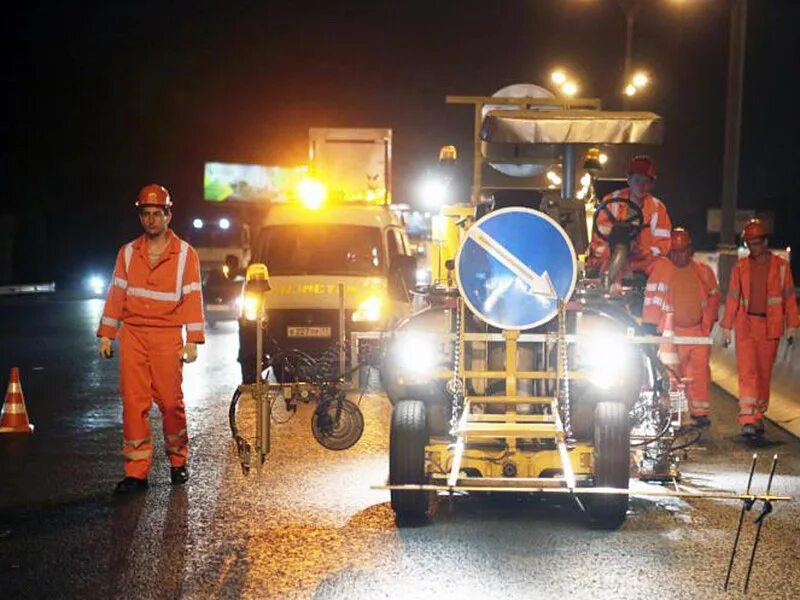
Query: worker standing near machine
x=653 y=240
x=154 y=293
x=761 y=307
x=688 y=289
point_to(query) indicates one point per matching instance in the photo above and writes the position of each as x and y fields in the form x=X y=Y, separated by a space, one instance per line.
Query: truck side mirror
x=233 y=267
x=402 y=276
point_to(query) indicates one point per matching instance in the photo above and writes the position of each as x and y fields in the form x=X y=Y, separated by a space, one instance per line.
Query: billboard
x=229 y=182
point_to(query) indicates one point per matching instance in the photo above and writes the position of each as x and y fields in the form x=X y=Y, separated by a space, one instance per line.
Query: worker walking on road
x=688 y=289
x=761 y=307
x=653 y=240
x=154 y=293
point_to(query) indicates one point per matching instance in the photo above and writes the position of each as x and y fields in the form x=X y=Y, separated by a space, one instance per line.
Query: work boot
x=749 y=430
x=178 y=475
x=760 y=427
x=130 y=485
x=701 y=421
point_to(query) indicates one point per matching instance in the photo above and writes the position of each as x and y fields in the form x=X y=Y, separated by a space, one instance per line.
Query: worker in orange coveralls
x=688 y=289
x=154 y=293
x=761 y=307
x=654 y=238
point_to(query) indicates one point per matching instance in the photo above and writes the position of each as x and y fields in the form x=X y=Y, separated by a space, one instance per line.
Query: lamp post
x=629 y=7
x=733 y=122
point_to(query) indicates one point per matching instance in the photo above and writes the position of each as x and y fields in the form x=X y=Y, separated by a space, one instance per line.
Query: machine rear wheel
x=407 y=441
x=611 y=464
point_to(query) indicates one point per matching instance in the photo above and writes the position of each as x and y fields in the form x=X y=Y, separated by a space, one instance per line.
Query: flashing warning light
x=224 y=223
x=312 y=193
x=630 y=90
x=558 y=77
x=197 y=223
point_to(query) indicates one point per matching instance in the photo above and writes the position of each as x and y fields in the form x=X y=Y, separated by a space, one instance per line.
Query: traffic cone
x=14 y=418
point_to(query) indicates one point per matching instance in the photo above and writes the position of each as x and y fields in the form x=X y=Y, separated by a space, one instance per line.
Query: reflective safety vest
x=659 y=292
x=781 y=301
x=168 y=294
x=654 y=238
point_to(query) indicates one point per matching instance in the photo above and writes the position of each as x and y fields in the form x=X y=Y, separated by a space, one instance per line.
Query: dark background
x=102 y=98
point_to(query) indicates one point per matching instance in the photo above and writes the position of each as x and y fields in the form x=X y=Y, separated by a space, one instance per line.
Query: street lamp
x=558 y=77
x=640 y=79
x=565 y=84
x=570 y=88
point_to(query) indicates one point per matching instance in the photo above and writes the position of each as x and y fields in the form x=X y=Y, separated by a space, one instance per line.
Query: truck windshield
x=321 y=249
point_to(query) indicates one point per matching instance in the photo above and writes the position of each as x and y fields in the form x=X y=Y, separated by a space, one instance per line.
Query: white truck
x=335 y=251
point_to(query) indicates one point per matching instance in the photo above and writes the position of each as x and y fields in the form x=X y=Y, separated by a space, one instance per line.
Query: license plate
x=217 y=307
x=308 y=332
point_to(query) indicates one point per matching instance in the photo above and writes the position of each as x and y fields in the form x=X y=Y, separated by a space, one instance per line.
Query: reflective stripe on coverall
x=654 y=239
x=693 y=359
x=153 y=303
x=757 y=337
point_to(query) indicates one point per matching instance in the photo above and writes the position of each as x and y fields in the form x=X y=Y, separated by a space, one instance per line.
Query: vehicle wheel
x=612 y=437
x=407 y=440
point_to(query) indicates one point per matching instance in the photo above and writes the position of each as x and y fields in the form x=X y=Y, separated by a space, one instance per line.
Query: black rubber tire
x=612 y=438
x=407 y=440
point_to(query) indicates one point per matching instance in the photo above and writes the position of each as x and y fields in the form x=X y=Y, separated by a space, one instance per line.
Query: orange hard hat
x=642 y=165
x=154 y=195
x=755 y=228
x=681 y=240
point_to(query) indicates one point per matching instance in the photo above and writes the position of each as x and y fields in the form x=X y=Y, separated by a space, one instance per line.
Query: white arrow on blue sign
x=514 y=266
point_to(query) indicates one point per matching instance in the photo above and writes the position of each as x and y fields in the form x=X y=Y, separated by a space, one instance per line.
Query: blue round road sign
x=514 y=266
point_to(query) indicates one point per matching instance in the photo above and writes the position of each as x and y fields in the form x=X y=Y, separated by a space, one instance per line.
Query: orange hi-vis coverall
x=758 y=333
x=691 y=293
x=653 y=241
x=148 y=306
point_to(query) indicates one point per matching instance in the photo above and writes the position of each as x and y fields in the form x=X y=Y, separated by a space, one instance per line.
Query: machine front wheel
x=407 y=441
x=611 y=464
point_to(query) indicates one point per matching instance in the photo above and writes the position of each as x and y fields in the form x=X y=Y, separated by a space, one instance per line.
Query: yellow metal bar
x=565 y=103
x=511 y=399
x=442 y=374
x=473 y=430
x=426 y=487
x=511 y=417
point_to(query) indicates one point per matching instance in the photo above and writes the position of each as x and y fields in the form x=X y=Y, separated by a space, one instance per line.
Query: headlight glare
x=369 y=310
x=251 y=306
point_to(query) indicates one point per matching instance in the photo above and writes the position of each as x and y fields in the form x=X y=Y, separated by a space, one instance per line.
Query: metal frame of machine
x=531 y=450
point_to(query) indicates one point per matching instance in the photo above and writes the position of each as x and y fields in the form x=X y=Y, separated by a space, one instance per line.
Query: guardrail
x=28 y=288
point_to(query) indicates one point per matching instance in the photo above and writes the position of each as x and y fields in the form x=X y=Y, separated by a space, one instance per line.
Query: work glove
x=726 y=337
x=189 y=352
x=105 y=349
x=791 y=333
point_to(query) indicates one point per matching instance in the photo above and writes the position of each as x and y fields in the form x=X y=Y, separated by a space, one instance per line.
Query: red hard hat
x=755 y=228
x=154 y=195
x=681 y=240
x=642 y=165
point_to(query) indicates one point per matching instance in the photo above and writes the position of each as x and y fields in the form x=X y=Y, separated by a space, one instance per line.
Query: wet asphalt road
x=309 y=526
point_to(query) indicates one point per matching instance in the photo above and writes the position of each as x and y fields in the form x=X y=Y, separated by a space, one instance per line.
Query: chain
x=563 y=358
x=456 y=386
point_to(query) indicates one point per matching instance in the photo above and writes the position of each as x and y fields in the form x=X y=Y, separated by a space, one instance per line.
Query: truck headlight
x=96 y=284
x=607 y=360
x=369 y=310
x=416 y=354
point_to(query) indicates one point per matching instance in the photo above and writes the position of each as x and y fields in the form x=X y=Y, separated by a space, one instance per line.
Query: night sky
x=102 y=98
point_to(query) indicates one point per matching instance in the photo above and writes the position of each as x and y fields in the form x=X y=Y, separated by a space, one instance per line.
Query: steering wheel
x=633 y=223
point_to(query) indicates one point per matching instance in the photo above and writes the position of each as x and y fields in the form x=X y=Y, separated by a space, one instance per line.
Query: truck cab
x=344 y=262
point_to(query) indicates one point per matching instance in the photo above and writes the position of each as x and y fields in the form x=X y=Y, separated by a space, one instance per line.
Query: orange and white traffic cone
x=14 y=418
